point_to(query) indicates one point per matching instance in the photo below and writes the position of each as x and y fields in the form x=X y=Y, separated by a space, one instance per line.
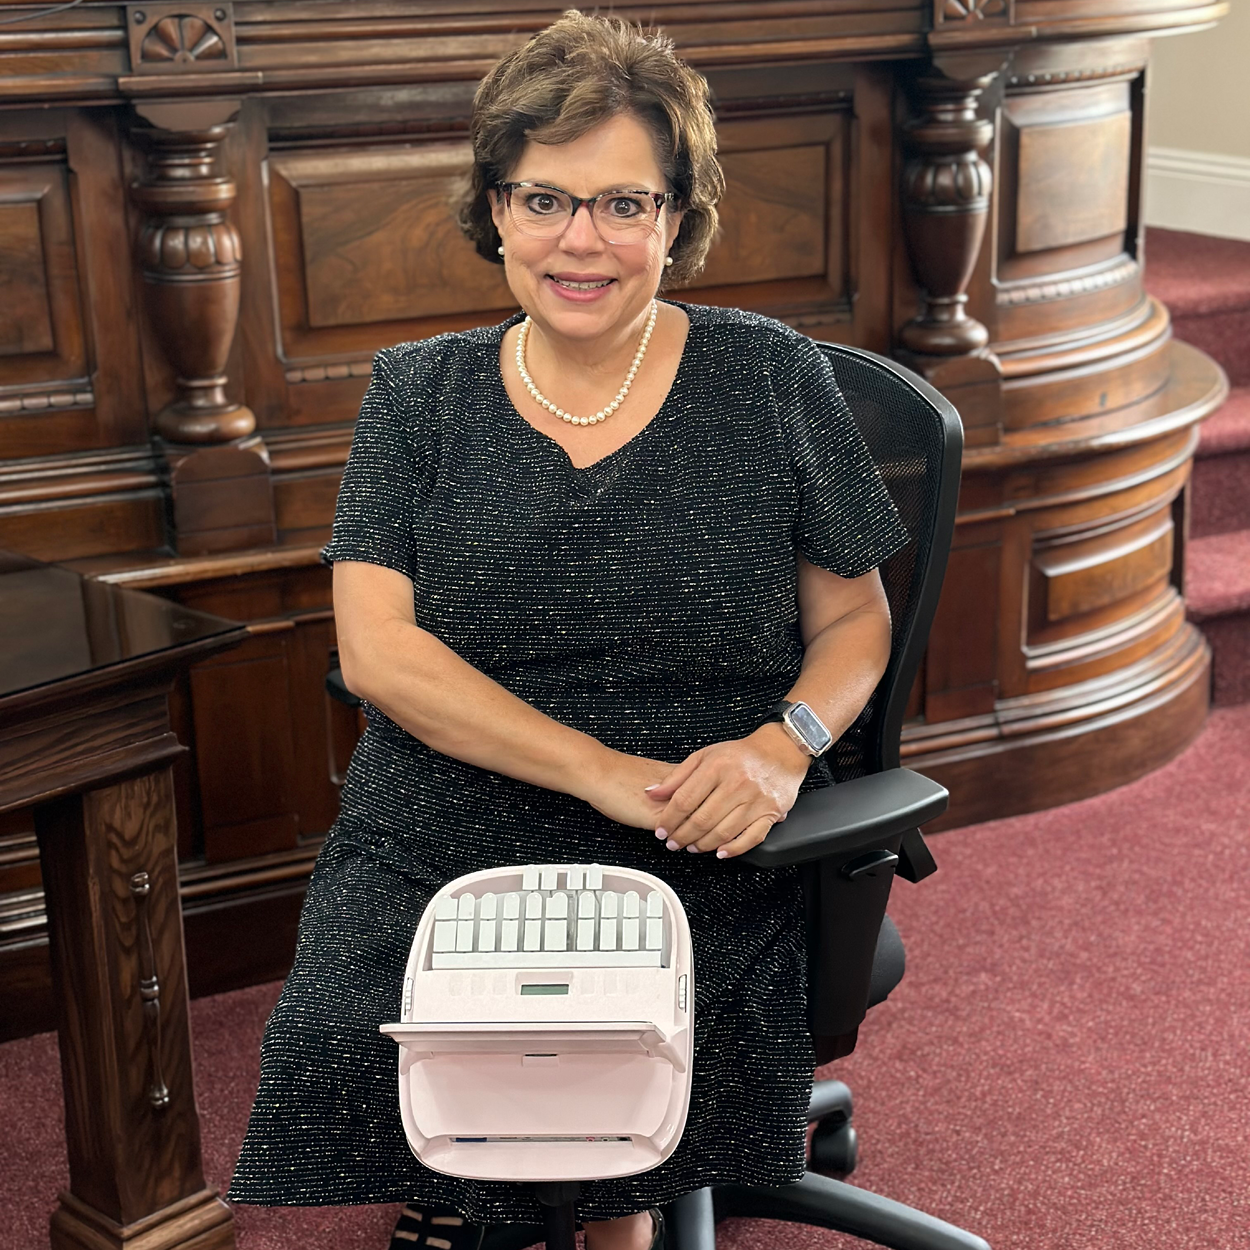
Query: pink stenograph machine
x=546 y=1030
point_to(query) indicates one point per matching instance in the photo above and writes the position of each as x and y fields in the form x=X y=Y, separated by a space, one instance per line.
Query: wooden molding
x=1061 y=287
x=201 y=1220
x=43 y=400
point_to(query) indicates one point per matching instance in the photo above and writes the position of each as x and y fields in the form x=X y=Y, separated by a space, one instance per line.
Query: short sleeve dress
x=649 y=600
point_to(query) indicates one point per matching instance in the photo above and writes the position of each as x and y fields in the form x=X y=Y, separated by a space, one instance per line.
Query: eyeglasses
x=620 y=217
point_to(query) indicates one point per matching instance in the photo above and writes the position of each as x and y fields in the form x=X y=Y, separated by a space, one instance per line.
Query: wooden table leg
x=132 y=1130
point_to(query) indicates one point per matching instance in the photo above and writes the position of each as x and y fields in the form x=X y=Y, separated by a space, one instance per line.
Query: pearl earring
x=668 y=262
x=499 y=249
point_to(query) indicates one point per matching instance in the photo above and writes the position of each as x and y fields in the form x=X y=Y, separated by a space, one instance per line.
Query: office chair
x=848 y=840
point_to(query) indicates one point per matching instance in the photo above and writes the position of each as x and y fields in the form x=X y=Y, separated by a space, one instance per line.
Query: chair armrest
x=337 y=689
x=850 y=817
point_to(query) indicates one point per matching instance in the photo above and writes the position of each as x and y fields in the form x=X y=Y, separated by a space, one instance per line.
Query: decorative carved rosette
x=191 y=256
x=946 y=200
x=182 y=38
x=971 y=11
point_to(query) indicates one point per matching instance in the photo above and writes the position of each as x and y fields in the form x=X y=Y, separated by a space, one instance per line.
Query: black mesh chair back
x=915 y=437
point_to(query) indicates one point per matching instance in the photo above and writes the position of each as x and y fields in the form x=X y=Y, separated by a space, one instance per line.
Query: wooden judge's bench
x=212 y=215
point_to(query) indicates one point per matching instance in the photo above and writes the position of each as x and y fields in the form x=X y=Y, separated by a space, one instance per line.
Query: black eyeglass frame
x=659 y=198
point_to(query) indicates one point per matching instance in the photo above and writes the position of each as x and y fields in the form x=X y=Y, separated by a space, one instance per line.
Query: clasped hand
x=724 y=797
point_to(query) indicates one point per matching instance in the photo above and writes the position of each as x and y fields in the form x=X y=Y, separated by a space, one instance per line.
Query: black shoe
x=657 y=1216
x=419 y=1228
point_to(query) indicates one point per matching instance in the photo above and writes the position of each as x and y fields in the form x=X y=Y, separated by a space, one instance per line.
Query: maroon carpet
x=1064 y=1067
x=1205 y=283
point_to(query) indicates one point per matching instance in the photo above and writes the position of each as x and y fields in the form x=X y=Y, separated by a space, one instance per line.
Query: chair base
x=826 y=1203
x=817 y=1200
x=834 y=1146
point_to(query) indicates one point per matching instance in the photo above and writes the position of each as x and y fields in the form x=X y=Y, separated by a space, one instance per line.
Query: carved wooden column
x=191 y=262
x=946 y=205
x=946 y=197
x=192 y=265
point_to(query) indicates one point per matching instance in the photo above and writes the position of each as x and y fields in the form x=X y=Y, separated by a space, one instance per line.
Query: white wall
x=1198 y=129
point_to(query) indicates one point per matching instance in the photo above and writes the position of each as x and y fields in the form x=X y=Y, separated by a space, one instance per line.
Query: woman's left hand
x=726 y=797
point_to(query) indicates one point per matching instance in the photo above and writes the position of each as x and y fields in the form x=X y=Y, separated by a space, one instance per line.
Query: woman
x=578 y=558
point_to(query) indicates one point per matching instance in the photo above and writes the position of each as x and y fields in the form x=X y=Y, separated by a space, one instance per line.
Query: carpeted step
x=1197 y=275
x=1217 y=592
x=1221 y=482
x=1205 y=282
x=1225 y=337
x=1227 y=430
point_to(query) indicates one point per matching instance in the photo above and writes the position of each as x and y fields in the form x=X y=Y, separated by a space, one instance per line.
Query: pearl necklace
x=605 y=412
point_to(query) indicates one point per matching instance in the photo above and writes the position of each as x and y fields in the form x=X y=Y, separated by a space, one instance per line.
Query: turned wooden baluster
x=191 y=259
x=946 y=201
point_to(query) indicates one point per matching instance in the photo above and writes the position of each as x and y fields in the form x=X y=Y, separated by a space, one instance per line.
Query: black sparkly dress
x=649 y=600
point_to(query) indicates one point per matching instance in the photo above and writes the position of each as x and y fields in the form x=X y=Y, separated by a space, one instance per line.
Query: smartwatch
x=808 y=731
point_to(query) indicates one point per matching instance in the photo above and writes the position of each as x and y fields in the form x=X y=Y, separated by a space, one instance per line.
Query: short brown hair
x=567 y=79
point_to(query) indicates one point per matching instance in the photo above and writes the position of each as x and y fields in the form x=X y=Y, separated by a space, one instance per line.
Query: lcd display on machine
x=544 y=989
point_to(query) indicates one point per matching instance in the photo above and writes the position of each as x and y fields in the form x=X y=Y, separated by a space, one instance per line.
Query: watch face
x=806 y=722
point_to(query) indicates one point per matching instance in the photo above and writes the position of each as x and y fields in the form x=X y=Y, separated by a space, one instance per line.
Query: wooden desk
x=85 y=738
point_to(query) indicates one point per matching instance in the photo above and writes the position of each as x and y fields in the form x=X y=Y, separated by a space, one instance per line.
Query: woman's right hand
x=616 y=786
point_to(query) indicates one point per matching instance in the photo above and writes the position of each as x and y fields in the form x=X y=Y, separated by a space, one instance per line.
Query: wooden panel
x=306 y=500
x=1119 y=372
x=19 y=856
x=25 y=310
x=324 y=739
x=1094 y=572
x=26 y=990
x=244 y=752
x=1116 y=740
x=960 y=664
x=366 y=251
x=103 y=234
x=784 y=241
x=251 y=837
x=222 y=501
x=38 y=281
x=266 y=593
x=133 y=521
x=243 y=940
x=1073 y=182
x=377 y=235
x=773 y=222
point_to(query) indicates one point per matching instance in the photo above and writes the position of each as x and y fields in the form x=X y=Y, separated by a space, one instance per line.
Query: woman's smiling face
x=578 y=286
